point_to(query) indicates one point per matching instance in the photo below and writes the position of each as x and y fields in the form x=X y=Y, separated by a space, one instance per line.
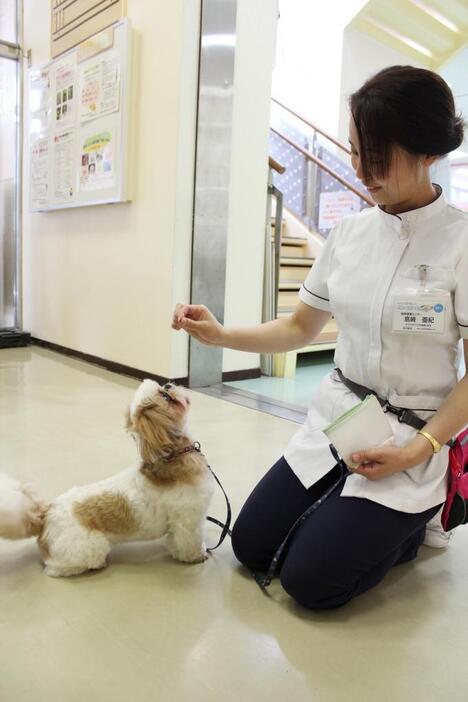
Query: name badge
x=421 y=312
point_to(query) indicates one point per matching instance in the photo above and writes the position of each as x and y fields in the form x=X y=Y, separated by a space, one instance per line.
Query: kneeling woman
x=402 y=120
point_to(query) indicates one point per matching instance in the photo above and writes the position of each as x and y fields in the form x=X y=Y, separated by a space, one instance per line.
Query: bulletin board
x=78 y=123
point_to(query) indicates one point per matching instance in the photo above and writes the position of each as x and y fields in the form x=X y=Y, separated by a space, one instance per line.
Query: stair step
x=296 y=260
x=287 y=299
x=293 y=241
x=293 y=274
x=295 y=251
x=289 y=285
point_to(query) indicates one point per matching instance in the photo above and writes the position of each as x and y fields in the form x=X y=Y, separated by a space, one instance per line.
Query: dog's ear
x=155 y=431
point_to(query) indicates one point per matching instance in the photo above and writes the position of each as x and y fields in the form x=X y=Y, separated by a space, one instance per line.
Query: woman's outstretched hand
x=199 y=322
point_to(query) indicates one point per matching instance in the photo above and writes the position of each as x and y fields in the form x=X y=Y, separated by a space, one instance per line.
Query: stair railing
x=272 y=257
x=315 y=167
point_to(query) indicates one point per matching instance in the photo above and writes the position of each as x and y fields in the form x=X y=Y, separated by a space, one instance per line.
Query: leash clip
x=400 y=412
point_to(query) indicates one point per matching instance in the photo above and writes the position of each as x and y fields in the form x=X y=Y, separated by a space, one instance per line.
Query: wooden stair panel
x=290 y=285
x=296 y=260
x=294 y=250
x=287 y=299
x=293 y=241
x=289 y=274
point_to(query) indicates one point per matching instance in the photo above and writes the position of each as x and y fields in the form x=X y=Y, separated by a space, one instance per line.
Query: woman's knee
x=243 y=542
x=311 y=588
x=238 y=541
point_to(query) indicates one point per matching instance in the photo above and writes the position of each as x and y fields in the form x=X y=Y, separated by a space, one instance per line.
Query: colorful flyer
x=99 y=87
x=97 y=162
x=65 y=88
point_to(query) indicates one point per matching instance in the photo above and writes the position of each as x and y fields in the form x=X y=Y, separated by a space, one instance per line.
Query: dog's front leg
x=185 y=538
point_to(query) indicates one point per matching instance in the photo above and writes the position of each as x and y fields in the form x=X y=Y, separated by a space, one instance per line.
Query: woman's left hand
x=378 y=463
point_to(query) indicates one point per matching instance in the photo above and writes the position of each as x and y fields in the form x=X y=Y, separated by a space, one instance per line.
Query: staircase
x=295 y=264
x=296 y=260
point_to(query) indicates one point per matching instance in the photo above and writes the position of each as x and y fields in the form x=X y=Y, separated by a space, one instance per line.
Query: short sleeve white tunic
x=368 y=259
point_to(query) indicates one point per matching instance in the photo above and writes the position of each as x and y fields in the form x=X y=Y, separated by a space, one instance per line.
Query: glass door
x=10 y=121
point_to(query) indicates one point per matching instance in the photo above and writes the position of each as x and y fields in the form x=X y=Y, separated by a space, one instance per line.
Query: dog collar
x=188 y=449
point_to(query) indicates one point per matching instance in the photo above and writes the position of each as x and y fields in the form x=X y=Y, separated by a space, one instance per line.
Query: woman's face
x=406 y=177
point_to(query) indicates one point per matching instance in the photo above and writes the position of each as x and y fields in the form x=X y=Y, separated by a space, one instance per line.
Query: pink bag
x=455 y=510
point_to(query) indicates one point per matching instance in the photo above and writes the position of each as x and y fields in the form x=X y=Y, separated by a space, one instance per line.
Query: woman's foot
x=435 y=536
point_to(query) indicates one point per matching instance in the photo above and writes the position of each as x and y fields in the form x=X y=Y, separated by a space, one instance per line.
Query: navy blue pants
x=341 y=550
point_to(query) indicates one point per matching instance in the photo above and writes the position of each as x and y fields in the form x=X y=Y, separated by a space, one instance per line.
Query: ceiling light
x=401 y=37
x=436 y=15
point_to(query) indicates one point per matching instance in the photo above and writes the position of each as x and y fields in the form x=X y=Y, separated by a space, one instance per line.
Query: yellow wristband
x=434 y=443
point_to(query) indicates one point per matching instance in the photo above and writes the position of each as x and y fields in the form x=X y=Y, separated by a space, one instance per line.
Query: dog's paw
x=203 y=556
x=53 y=572
x=192 y=557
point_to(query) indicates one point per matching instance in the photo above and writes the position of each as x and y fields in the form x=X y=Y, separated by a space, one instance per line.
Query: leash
x=225 y=527
x=225 y=530
x=264 y=582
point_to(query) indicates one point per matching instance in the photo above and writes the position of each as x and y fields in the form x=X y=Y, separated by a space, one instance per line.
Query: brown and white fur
x=153 y=498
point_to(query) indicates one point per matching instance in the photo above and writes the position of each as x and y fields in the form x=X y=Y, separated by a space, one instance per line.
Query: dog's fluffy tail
x=22 y=510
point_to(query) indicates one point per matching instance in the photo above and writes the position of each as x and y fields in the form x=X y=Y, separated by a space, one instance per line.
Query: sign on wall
x=335 y=205
x=73 y=21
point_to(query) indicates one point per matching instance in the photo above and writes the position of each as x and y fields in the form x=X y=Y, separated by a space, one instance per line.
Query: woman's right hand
x=199 y=322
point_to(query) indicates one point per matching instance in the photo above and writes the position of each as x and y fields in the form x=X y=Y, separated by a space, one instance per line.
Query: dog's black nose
x=167 y=386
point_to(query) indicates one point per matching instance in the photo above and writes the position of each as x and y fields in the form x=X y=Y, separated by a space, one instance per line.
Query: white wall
x=455 y=72
x=362 y=57
x=104 y=280
x=100 y=279
x=308 y=59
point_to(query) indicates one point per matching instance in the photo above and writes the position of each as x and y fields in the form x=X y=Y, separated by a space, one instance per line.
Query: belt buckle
x=398 y=411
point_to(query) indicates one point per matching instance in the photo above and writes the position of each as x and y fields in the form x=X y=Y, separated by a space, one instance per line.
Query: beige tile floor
x=149 y=629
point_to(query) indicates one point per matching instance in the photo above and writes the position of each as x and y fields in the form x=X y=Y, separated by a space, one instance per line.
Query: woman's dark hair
x=406 y=106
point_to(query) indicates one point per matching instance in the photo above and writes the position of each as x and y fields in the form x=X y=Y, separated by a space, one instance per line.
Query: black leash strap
x=264 y=581
x=225 y=527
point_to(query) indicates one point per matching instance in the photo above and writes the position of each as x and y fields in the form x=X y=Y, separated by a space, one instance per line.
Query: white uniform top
x=366 y=260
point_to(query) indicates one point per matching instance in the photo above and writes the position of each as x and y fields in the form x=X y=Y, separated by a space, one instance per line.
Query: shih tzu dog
x=166 y=493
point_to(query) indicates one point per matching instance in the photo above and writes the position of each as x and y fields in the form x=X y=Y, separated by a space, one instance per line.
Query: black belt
x=405 y=416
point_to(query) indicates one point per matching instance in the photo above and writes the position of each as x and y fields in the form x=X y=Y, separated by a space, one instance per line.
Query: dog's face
x=156 y=418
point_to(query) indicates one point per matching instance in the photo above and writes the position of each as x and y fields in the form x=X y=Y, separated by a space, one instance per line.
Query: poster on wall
x=65 y=90
x=97 y=162
x=336 y=205
x=64 y=172
x=39 y=101
x=78 y=121
x=99 y=87
x=39 y=172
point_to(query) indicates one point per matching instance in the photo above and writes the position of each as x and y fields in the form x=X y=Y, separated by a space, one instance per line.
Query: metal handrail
x=319 y=130
x=275 y=165
x=324 y=167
